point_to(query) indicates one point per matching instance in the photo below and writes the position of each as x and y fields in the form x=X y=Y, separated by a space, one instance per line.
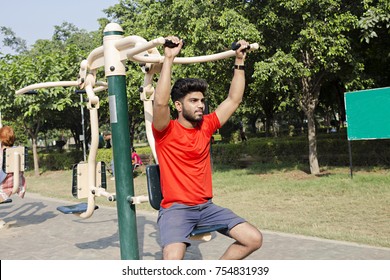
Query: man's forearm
x=237 y=86
x=163 y=87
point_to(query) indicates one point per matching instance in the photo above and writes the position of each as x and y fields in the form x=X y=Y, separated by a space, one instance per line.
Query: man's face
x=192 y=106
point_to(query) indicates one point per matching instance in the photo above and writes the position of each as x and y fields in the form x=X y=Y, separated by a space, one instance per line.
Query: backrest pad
x=153 y=184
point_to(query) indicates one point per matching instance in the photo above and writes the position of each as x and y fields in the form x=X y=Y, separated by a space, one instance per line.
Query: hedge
x=332 y=151
x=57 y=160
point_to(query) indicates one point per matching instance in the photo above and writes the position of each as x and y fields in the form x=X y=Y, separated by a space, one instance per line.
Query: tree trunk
x=33 y=134
x=311 y=128
x=252 y=123
x=267 y=126
x=35 y=156
x=308 y=102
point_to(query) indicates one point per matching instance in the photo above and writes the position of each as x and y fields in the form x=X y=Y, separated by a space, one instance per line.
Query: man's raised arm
x=161 y=111
x=237 y=86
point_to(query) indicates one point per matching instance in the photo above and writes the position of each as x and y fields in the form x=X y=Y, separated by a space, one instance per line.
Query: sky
x=35 y=19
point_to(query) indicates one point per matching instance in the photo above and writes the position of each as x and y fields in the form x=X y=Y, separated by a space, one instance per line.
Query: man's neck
x=187 y=124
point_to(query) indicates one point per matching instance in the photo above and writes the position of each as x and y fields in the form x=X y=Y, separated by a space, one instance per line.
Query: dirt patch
x=288 y=174
x=297 y=175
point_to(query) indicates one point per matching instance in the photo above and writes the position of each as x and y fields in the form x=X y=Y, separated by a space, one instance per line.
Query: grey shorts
x=177 y=222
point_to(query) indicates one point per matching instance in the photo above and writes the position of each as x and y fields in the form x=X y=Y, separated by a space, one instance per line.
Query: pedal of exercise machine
x=75 y=209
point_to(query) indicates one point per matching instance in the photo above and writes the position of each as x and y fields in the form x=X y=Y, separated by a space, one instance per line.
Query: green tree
x=375 y=21
x=271 y=86
x=47 y=61
x=24 y=70
x=206 y=26
x=375 y=41
x=12 y=41
x=315 y=36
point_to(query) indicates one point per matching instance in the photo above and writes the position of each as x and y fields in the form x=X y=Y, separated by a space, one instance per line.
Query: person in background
x=135 y=158
x=101 y=141
x=7 y=140
x=107 y=137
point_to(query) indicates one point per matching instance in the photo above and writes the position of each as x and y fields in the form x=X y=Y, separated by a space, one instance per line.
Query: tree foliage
x=312 y=51
x=47 y=61
x=12 y=41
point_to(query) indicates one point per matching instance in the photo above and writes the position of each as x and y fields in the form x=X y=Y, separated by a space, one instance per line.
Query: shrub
x=332 y=151
x=104 y=155
x=59 y=160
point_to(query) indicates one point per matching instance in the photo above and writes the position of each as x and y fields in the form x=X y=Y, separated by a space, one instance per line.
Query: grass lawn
x=284 y=199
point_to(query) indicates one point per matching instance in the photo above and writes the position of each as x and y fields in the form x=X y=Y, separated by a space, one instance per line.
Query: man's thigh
x=217 y=215
x=175 y=224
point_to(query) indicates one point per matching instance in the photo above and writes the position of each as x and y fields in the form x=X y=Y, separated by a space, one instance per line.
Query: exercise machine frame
x=112 y=55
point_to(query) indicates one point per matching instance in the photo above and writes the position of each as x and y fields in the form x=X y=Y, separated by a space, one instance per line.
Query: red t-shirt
x=184 y=159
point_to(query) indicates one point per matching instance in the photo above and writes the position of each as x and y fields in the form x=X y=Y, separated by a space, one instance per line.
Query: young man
x=182 y=147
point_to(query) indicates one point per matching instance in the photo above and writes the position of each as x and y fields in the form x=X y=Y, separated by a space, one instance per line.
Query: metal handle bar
x=236 y=46
x=189 y=60
x=127 y=47
x=101 y=86
x=47 y=85
x=131 y=48
x=96 y=59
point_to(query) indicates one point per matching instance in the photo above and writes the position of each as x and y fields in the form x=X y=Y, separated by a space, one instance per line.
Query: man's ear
x=178 y=106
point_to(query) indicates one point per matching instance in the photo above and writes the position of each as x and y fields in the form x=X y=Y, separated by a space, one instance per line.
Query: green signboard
x=368 y=114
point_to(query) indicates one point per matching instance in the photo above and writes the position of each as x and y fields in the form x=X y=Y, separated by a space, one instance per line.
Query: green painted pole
x=115 y=71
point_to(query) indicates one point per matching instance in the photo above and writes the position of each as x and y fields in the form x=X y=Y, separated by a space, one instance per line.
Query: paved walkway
x=37 y=231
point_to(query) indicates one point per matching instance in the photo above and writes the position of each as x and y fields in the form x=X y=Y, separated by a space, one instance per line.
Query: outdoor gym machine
x=116 y=50
x=14 y=161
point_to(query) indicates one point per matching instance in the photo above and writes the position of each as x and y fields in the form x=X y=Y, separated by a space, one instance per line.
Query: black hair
x=184 y=86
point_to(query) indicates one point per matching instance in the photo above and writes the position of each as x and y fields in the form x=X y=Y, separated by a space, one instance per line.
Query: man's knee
x=175 y=251
x=248 y=236
x=254 y=239
x=257 y=241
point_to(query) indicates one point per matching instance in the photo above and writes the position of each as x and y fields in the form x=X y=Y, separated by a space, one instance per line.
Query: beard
x=192 y=117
